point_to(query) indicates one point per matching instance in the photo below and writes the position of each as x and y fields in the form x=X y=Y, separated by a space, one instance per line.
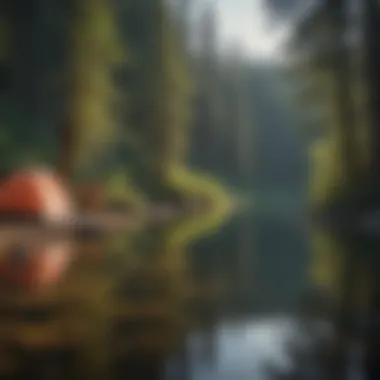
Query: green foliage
x=129 y=101
x=96 y=52
x=197 y=185
x=340 y=154
x=327 y=262
x=119 y=188
x=327 y=174
x=160 y=90
x=160 y=87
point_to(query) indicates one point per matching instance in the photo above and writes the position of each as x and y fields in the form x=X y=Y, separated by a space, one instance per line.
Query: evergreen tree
x=93 y=53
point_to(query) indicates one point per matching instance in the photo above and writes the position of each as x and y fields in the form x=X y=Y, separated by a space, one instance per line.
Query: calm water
x=171 y=303
x=256 y=348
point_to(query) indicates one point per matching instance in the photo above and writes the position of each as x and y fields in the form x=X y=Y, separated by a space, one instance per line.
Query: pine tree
x=94 y=52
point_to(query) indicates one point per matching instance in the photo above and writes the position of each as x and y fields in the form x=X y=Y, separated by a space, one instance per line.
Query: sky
x=247 y=23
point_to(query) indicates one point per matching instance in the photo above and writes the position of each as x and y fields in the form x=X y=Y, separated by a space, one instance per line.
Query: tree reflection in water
x=130 y=305
x=119 y=312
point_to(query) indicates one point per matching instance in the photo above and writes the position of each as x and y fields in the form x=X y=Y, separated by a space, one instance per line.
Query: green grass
x=217 y=201
x=198 y=185
x=119 y=187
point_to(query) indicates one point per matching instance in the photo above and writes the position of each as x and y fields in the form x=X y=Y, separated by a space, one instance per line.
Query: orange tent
x=38 y=193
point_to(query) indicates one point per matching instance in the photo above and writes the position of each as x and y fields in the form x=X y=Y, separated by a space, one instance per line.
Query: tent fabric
x=37 y=192
x=42 y=193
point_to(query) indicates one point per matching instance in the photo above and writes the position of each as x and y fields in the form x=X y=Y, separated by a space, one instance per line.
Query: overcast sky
x=246 y=23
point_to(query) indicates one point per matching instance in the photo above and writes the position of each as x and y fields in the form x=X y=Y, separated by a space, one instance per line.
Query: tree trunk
x=372 y=53
x=342 y=88
x=67 y=127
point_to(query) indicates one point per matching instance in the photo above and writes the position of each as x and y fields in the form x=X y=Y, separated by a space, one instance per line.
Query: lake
x=179 y=301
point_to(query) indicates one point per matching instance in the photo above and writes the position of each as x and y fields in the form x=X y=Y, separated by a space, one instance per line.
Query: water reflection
x=162 y=303
x=319 y=336
x=260 y=348
x=119 y=311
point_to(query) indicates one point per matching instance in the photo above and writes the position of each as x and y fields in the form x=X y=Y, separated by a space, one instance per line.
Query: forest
x=135 y=99
x=138 y=97
x=333 y=45
x=113 y=93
